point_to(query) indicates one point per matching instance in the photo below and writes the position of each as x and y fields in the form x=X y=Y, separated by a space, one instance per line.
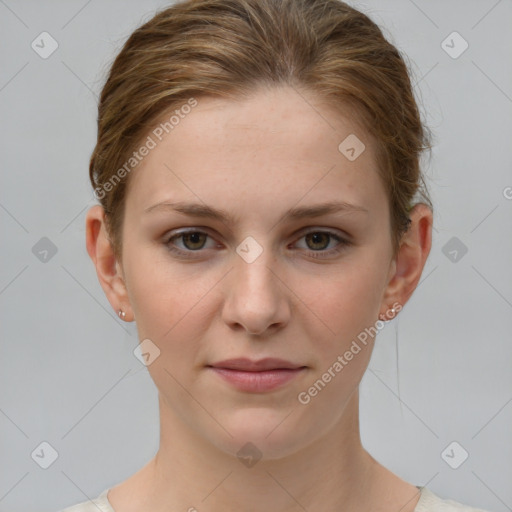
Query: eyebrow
x=301 y=212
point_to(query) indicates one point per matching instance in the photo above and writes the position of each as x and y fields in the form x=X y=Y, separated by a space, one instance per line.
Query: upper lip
x=248 y=365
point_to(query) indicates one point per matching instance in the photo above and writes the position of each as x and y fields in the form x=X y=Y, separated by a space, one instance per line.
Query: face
x=259 y=282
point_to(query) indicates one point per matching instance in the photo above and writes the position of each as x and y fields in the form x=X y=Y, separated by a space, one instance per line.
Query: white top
x=428 y=502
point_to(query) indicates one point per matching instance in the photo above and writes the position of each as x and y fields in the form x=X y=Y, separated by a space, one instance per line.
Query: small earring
x=383 y=317
x=121 y=314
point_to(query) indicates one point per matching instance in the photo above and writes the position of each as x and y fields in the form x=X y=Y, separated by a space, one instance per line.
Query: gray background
x=68 y=375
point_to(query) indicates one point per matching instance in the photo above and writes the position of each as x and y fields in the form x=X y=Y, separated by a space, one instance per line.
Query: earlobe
x=108 y=269
x=412 y=255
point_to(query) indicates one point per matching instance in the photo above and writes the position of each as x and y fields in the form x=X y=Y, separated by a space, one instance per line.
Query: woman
x=257 y=167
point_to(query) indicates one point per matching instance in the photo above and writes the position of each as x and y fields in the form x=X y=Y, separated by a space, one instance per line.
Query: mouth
x=257 y=376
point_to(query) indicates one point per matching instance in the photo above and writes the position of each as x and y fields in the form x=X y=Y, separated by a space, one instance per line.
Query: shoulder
x=99 y=504
x=430 y=502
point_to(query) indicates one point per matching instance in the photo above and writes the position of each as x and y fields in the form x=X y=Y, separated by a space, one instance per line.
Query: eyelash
x=320 y=254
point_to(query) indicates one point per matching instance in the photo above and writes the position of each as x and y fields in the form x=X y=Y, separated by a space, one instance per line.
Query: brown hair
x=227 y=48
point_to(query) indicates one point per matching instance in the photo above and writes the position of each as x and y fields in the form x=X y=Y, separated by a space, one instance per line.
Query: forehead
x=277 y=143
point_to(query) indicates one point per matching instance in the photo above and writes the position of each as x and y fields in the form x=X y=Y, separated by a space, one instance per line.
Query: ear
x=407 y=267
x=109 y=271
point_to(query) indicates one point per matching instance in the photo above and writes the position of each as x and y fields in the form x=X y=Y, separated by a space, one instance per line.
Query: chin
x=263 y=434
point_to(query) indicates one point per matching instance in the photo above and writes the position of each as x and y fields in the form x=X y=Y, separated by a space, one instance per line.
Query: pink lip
x=257 y=376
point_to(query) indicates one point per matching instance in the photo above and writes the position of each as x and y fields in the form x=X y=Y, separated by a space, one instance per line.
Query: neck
x=190 y=473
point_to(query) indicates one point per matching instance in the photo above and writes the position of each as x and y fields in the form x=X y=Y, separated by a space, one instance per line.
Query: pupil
x=193 y=238
x=317 y=236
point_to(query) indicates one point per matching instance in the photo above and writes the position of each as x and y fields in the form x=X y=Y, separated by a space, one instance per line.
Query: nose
x=256 y=297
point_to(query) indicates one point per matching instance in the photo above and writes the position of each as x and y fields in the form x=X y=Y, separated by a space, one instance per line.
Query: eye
x=319 y=241
x=193 y=241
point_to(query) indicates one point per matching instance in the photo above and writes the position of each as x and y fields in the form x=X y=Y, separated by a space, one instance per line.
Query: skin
x=257 y=158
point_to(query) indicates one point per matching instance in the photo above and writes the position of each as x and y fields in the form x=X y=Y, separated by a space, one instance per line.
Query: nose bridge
x=254 y=266
x=255 y=298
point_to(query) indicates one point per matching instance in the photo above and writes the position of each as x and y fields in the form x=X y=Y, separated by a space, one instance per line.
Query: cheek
x=159 y=294
x=172 y=302
x=345 y=302
x=340 y=324
x=170 y=309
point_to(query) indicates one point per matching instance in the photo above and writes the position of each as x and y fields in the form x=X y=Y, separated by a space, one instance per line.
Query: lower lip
x=257 y=382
